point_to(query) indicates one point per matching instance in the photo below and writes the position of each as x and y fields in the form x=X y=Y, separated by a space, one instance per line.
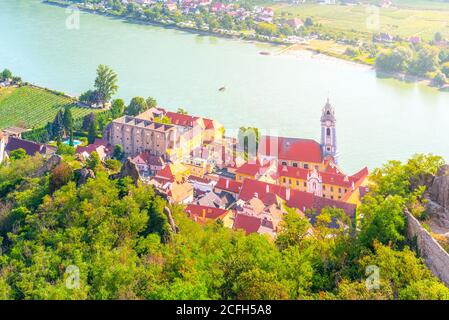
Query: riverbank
x=329 y=48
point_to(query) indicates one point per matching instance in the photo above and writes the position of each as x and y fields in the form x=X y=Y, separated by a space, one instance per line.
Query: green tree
x=93 y=161
x=105 y=83
x=117 y=108
x=18 y=154
x=68 y=124
x=92 y=133
x=136 y=106
x=151 y=102
x=118 y=152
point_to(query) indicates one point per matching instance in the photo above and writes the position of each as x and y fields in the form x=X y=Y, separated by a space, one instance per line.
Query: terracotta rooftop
x=305 y=150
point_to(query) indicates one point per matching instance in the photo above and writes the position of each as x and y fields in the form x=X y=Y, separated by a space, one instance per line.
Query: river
x=377 y=119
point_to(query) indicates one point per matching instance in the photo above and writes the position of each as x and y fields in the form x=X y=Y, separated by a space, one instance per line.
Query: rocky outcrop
x=129 y=169
x=171 y=221
x=83 y=175
x=438 y=197
x=439 y=191
x=48 y=165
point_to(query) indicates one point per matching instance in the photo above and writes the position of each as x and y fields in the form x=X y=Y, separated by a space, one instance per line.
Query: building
x=329 y=133
x=228 y=185
x=204 y=214
x=30 y=147
x=332 y=185
x=270 y=193
x=2 y=147
x=148 y=164
x=137 y=135
x=304 y=153
x=100 y=146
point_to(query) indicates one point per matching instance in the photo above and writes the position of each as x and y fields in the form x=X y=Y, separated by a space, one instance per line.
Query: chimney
x=267 y=189
x=204 y=214
x=287 y=194
x=256 y=195
x=227 y=183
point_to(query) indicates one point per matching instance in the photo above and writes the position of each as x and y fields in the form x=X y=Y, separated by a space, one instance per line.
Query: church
x=311 y=166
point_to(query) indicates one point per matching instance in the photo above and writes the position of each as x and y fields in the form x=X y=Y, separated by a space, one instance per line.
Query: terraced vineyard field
x=32 y=107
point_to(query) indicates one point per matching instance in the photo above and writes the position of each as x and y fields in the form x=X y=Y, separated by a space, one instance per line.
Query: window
x=295 y=165
x=284 y=163
x=332 y=197
x=297 y=182
x=328 y=132
x=290 y=181
x=332 y=189
x=324 y=187
x=305 y=184
x=283 y=180
x=339 y=190
x=306 y=166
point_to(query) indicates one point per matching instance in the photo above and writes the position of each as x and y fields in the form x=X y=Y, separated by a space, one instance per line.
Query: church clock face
x=328 y=123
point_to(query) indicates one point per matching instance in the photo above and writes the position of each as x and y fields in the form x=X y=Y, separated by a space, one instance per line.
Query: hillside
x=33 y=107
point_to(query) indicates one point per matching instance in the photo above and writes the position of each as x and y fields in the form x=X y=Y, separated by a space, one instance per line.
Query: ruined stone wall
x=435 y=257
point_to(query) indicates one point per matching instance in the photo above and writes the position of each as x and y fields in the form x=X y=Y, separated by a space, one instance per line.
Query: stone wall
x=435 y=257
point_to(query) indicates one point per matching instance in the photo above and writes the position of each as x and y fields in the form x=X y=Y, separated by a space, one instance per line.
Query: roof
x=228 y=185
x=336 y=179
x=148 y=159
x=181 y=119
x=208 y=123
x=93 y=146
x=165 y=174
x=251 y=169
x=30 y=147
x=296 y=149
x=301 y=200
x=209 y=212
x=249 y=224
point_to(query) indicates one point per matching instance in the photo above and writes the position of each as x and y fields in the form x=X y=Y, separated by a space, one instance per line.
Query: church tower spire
x=328 y=132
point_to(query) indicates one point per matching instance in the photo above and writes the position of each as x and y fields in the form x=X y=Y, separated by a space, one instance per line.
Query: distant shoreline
x=408 y=78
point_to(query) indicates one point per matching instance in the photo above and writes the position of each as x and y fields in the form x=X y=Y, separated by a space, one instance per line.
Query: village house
x=204 y=214
x=148 y=164
x=100 y=146
x=228 y=185
x=300 y=200
x=30 y=147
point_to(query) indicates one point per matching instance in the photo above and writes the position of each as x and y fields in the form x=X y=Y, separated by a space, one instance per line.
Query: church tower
x=328 y=132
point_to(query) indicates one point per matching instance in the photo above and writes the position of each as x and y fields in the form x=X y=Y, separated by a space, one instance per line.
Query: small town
x=282 y=153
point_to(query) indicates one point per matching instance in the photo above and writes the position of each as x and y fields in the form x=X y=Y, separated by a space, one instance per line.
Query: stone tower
x=328 y=132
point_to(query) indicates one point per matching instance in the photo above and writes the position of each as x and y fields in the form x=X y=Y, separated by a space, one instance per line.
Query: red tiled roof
x=147 y=158
x=93 y=146
x=165 y=174
x=295 y=149
x=251 y=169
x=210 y=212
x=199 y=179
x=249 y=224
x=294 y=198
x=233 y=186
x=181 y=119
x=208 y=123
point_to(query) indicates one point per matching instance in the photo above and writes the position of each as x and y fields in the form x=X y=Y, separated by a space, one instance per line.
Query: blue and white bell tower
x=328 y=132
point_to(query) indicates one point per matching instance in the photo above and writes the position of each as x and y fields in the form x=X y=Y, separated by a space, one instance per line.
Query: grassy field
x=32 y=107
x=401 y=21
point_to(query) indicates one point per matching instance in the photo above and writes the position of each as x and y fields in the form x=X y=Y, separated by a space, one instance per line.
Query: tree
x=6 y=74
x=60 y=176
x=439 y=79
x=117 y=108
x=105 y=83
x=93 y=161
x=151 y=102
x=18 y=154
x=118 y=153
x=68 y=124
x=181 y=111
x=427 y=60
x=438 y=37
x=136 y=106
x=308 y=22
x=92 y=133
x=58 y=126
x=266 y=28
x=396 y=60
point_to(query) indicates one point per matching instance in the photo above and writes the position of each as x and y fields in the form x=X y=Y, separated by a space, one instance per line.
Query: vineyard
x=33 y=107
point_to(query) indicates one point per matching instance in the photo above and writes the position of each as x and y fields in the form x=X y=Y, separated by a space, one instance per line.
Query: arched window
x=328 y=131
